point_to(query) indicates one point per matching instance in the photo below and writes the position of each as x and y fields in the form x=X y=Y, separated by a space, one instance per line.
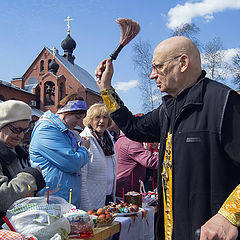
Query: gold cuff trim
x=231 y=207
x=111 y=100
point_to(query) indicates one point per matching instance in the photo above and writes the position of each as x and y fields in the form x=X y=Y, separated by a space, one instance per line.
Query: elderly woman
x=16 y=175
x=55 y=149
x=99 y=174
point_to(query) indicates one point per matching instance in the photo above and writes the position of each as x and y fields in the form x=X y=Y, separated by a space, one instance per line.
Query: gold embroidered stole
x=167 y=188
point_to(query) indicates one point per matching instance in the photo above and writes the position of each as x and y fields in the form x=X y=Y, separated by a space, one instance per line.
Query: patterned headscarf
x=75 y=105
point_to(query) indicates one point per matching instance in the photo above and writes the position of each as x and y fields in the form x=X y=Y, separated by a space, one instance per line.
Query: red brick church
x=50 y=77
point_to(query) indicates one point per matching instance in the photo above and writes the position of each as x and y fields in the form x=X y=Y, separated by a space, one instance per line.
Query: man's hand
x=218 y=228
x=103 y=74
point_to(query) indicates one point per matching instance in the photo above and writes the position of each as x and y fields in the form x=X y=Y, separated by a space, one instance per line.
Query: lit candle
x=47 y=195
x=153 y=184
x=123 y=195
x=29 y=188
x=70 y=196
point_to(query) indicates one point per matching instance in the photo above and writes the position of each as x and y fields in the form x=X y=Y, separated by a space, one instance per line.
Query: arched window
x=42 y=66
x=49 y=93
x=49 y=61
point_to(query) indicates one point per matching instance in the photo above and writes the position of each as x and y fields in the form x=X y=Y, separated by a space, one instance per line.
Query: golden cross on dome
x=68 y=25
x=53 y=51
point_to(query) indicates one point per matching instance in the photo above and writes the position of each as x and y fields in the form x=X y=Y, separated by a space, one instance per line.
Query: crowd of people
x=191 y=139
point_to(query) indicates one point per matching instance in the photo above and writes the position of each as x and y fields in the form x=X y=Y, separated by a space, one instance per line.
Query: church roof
x=10 y=85
x=35 y=112
x=79 y=73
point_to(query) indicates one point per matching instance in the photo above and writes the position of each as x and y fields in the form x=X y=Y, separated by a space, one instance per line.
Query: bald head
x=176 y=65
x=179 y=45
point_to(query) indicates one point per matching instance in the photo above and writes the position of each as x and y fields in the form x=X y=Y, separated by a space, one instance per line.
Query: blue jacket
x=51 y=149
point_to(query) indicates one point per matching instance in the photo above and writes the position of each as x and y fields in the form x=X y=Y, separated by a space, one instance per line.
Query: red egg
x=90 y=212
x=101 y=216
x=108 y=216
x=136 y=207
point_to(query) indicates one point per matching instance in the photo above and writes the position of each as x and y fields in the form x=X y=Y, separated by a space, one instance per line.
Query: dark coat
x=206 y=159
x=15 y=175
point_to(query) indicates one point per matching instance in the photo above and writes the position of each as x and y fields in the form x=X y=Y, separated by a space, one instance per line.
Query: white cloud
x=228 y=57
x=181 y=14
x=208 y=18
x=229 y=54
x=126 y=86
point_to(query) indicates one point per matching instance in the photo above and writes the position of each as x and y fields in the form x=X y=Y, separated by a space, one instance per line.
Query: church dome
x=68 y=43
x=53 y=66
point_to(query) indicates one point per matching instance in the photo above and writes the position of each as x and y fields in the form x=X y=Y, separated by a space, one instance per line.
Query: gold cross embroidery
x=166 y=166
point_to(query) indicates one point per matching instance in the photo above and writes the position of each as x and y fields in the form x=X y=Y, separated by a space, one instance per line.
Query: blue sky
x=29 y=25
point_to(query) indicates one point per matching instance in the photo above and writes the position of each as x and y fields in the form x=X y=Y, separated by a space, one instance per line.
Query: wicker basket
x=105 y=221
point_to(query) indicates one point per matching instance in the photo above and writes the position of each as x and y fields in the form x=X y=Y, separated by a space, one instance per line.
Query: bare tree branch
x=213 y=59
x=142 y=60
x=187 y=30
x=236 y=69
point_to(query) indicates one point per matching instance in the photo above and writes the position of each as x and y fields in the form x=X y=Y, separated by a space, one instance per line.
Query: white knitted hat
x=12 y=111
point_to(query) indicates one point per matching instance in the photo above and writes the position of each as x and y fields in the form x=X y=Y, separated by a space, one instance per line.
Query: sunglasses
x=18 y=130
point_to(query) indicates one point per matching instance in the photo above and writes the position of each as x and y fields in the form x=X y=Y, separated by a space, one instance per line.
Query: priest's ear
x=183 y=62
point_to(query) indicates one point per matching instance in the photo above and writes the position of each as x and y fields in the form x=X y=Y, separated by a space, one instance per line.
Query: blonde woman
x=99 y=174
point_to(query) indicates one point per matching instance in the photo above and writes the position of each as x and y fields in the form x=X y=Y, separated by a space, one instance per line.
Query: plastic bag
x=33 y=216
x=40 y=203
x=81 y=224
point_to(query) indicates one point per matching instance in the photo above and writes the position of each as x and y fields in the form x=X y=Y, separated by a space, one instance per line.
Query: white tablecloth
x=140 y=228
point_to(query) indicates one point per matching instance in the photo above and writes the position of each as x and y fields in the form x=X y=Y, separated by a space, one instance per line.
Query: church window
x=42 y=66
x=49 y=93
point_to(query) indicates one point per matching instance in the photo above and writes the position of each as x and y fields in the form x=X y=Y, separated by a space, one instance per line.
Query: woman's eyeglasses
x=18 y=130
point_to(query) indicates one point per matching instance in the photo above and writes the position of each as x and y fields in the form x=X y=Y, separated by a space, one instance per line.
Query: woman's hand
x=85 y=142
x=218 y=228
x=103 y=74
